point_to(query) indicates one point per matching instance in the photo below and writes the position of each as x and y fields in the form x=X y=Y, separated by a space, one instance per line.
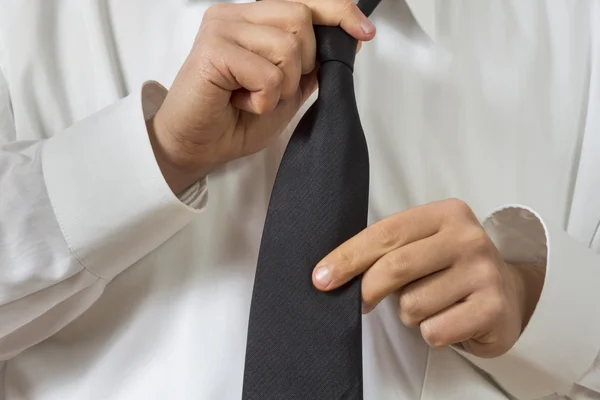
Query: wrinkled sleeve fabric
x=75 y=211
x=557 y=353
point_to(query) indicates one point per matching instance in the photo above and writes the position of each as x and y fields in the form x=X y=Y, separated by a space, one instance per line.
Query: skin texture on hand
x=251 y=68
x=449 y=277
x=176 y=177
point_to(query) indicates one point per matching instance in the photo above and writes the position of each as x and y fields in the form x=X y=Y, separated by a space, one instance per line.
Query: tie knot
x=334 y=44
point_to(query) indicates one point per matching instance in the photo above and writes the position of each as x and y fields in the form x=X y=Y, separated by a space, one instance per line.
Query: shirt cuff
x=109 y=196
x=562 y=338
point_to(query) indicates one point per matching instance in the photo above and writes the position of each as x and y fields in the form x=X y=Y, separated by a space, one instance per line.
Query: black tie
x=304 y=344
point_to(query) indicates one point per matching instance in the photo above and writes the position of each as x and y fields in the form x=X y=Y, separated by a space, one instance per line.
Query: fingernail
x=367 y=26
x=323 y=276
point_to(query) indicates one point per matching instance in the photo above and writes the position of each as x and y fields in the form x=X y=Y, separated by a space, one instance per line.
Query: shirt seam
x=66 y=236
x=2 y=47
x=4 y=74
x=594 y=236
x=426 y=374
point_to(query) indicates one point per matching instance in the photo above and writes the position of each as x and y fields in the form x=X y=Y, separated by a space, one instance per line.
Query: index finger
x=343 y=13
x=356 y=255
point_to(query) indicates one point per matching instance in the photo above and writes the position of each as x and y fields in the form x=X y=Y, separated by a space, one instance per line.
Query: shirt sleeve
x=557 y=353
x=75 y=211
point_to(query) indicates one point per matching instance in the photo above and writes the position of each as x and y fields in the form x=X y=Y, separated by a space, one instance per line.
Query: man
x=131 y=217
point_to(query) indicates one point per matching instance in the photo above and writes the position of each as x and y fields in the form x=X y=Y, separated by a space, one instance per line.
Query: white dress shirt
x=112 y=288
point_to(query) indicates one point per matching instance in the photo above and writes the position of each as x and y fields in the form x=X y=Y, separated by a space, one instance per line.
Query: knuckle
x=211 y=27
x=398 y=263
x=346 y=6
x=215 y=11
x=301 y=25
x=267 y=102
x=408 y=320
x=498 y=349
x=433 y=336
x=409 y=310
x=387 y=236
x=268 y=99
x=368 y=300
x=308 y=65
x=302 y=13
x=488 y=274
x=207 y=61
x=402 y=262
x=458 y=207
x=343 y=260
x=409 y=303
x=273 y=78
x=293 y=44
x=288 y=49
x=495 y=307
x=263 y=105
x=477 y=241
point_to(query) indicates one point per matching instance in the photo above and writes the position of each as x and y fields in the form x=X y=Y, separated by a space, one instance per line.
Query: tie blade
x=368 y=6
x=303 y=343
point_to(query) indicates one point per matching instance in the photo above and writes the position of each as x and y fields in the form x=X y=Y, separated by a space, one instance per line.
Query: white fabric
x=112 y=288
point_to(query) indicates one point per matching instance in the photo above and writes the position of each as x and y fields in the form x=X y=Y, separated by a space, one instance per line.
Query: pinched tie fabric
x=304 y=344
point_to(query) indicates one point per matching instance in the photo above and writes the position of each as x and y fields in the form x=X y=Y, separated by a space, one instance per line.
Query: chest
x=492 y=110
x=495 y=112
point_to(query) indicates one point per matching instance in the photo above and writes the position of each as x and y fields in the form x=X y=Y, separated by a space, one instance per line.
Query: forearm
x=39 y=276
x=76 y=210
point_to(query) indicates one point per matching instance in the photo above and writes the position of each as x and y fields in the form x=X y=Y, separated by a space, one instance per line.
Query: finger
x=262 y=129
x=259 y=81
x=360 y=252
x=463 y=321
x=432 y=294
x=406 y=265
x=343 y=13
x=294 y=18
x=283 y=49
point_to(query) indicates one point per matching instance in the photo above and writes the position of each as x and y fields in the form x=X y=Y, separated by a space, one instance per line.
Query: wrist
x=179 y=177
